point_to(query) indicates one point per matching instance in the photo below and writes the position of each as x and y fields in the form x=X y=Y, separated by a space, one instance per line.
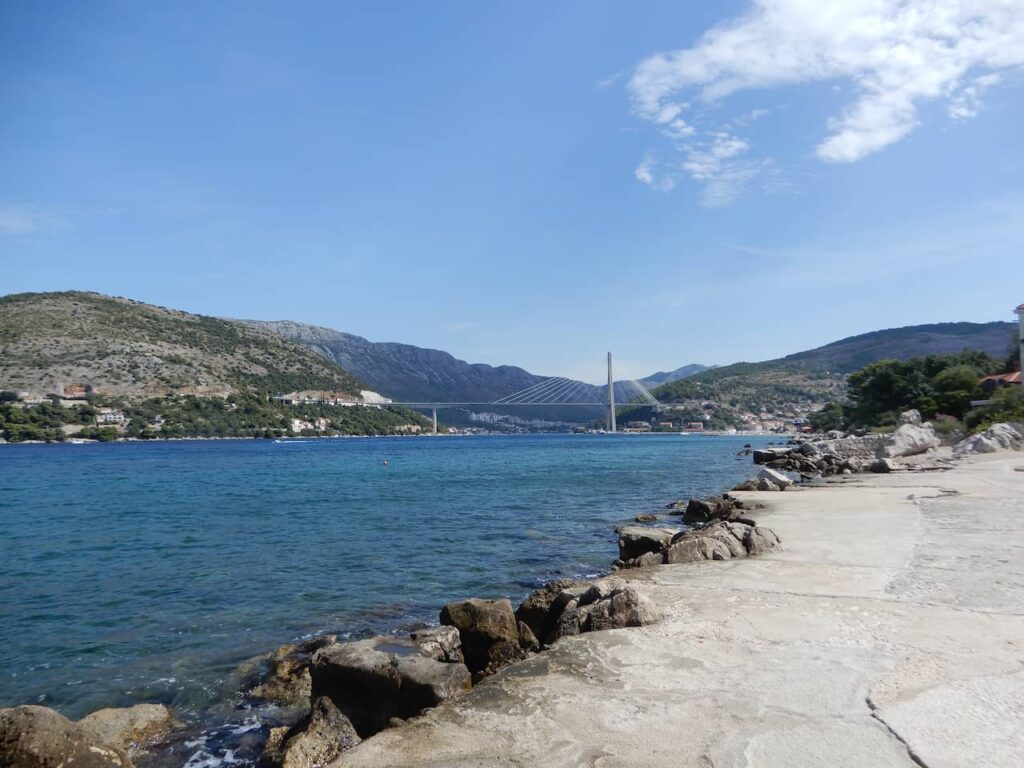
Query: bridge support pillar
x=611 y=396
x=434 y=414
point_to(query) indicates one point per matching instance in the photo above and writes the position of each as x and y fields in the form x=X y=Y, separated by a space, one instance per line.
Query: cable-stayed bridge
x=560 y=391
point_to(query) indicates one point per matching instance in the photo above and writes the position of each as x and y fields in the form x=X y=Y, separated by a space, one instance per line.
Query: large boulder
x=706 y=510
x=487 y=628
x=372 y=681
x=723 y=540
x=757 y=540
x=39 y=737
x=635 y=540
x=606 y=604
x=777 y=479
x=769 y=454
x=535 y=612
x=910 y=439
x=439 y=643
x=131 y=728
x=998 y=437
x=318 y=740
x=883 y=466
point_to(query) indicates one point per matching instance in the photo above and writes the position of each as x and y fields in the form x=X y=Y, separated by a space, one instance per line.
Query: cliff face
x=127 y=348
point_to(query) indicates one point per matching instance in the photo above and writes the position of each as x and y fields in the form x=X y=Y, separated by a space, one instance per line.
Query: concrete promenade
x=888 y=632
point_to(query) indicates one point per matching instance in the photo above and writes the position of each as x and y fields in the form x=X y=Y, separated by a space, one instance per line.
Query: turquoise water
x=147 y=571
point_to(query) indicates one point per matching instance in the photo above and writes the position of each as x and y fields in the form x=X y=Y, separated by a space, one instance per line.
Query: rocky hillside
x=818 y=375
x=405 y=372
x=665 y=377
x=130 y=349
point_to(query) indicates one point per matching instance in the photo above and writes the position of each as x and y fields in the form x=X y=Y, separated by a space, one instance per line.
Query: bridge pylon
x=611 y=396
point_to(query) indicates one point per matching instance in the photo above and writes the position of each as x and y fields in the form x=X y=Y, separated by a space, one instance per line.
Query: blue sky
x=524 y=183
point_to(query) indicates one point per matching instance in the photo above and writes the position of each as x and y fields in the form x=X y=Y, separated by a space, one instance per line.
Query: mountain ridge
x=128 y=348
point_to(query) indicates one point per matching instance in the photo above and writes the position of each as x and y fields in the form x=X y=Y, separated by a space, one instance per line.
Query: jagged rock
x=130 y=728
x=758 y=540
x=913 y=417
x=696 y=549
x=882 y=466
x=317 y=741
x=777 y=479
x=808 y=449
x=705 y=510
x=535 y=611
x=527 y=639
x=733 y=543
x=284 y=678
x=481 y=624
x=39 y=737
x=635 y=540
x=722 y=540
x=373 y=680
x=909 y=440
x=998 y=437
x=607 y=604
x=766 y=455
x=439 y=643
x=500 y=655
x=646 y=517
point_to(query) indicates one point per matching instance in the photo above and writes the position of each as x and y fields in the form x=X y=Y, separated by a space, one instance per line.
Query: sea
x=152 y=571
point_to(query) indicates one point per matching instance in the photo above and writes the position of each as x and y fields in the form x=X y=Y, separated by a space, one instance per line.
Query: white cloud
x=896 y=54
x=26 y=219
x=648 y=174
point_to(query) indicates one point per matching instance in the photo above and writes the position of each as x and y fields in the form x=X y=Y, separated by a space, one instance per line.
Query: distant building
x=75 y=391
x=110 y=416
x=411 y=429
x=694 y=426
x=991 y=383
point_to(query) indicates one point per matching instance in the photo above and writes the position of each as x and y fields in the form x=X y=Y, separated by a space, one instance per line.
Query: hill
x=129 y=349
x=665 y=377
x=405 y=372
x=793 y=383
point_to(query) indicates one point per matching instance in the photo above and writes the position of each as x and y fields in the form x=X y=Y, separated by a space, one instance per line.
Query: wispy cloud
x=28 y=220
x=647 y=173
x=898 y=55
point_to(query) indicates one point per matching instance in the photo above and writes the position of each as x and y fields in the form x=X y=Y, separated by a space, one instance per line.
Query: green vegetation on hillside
x=820 y=375
x=238 y=415
x=939 y=386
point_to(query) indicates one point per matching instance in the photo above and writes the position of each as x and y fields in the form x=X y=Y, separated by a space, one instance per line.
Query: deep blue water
x=147 y=571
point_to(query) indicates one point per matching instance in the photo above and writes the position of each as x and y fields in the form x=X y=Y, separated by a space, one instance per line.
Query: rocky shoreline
x=341 y=693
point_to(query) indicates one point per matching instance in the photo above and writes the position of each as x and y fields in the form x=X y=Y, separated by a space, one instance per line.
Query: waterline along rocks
x=720 y=540
x=374 y=681
x=838 y=453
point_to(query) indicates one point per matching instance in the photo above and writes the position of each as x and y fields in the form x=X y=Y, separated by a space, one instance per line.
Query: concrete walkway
x=889 y=632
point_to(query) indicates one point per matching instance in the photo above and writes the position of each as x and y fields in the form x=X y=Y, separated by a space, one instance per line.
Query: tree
x=828 y=418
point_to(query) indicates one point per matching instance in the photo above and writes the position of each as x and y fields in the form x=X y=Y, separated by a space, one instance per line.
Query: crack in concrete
x=910 y=750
